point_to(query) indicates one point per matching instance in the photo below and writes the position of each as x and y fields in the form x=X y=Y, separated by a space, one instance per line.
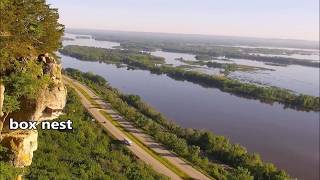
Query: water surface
x=286 y=137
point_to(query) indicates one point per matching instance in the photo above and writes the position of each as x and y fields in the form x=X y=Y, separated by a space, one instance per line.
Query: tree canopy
x=27 y=28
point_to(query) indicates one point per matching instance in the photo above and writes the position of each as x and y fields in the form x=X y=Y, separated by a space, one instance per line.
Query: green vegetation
x=151 y=63
x=203 y=52
x=114 y=56
x=202 y=148
x=23 y=37
x=86 y=152
x=24 y=34
x=136 y=47
x=209 y=46
x=227 y=67
x=279 y=60
x=146 y=148
x=7 y=171
x=23 y=83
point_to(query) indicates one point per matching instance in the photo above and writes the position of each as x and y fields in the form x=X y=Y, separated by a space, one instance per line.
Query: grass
x=150 y=151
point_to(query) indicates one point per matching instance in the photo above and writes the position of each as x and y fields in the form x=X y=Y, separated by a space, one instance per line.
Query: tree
x=28 y=28
x=24 y=83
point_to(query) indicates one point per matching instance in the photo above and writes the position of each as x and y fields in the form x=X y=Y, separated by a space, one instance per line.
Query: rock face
x=1 y=98
x=48 y=106
x=22 y=144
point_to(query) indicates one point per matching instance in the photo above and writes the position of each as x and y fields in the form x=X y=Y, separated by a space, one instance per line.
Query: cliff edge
x=48 y=105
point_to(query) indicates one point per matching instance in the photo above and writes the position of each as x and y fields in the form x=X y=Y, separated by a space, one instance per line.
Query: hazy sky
x=298 y=19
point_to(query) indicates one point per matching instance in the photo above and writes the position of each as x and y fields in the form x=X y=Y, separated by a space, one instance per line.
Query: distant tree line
x=151 y=63
x=275 y=59
x=208 y=53
x=226 y=67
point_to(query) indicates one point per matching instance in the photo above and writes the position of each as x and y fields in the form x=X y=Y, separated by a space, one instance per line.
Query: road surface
x=94 y=110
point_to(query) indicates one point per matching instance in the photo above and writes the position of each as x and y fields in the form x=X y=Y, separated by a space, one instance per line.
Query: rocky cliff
x=22 y=144
x=48 y=105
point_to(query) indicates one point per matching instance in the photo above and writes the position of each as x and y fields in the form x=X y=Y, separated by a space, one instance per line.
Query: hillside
x=86 y=152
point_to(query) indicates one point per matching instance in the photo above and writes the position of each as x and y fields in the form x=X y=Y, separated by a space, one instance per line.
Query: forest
x=151 y=63
x=212 y=153
x=86 y=152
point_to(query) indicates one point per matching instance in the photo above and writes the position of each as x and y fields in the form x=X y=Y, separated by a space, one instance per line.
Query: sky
x=289 y=19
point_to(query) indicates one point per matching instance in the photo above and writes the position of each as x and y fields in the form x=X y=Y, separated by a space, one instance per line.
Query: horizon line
x=175 y=33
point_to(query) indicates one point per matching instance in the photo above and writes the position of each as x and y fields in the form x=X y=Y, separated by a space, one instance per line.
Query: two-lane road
x=94 y=110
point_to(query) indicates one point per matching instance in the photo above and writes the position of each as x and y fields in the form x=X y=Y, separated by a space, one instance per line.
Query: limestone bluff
x=48 y=105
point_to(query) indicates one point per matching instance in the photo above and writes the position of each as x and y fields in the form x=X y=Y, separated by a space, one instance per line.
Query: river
x=285 y=137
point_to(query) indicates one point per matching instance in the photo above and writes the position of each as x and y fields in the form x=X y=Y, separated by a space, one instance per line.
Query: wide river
x=285 y=137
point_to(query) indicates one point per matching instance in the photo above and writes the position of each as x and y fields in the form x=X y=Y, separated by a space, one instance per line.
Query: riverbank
x=244 y=121
x=153 y=64
x=182 y=141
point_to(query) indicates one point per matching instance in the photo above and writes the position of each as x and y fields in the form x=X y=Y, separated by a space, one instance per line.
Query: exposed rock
x=22 y=145
x=1 y=98
x=53 y=98
x=47 y=106
x=19 y=177
x=4 y=34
